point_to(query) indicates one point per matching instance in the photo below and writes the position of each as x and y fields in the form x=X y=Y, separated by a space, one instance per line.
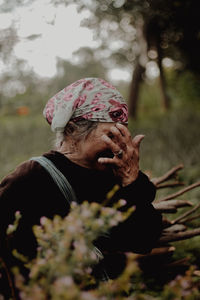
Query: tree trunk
x=165 y=97
x=134 y=89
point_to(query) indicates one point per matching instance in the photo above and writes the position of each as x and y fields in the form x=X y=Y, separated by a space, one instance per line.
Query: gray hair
x=78 y=130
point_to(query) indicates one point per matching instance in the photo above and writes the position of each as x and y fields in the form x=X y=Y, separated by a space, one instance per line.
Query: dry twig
x=172 y=237
x=176 y=229
x=191 y=219
x=170 y=174
x=187 y=213
x=181 y=192
x=169 y=184
x=180 y=262
x=158 y=251
x=171 y=204
x=10 y=281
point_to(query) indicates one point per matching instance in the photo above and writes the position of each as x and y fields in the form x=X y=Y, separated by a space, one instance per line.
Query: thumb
x=137 y=140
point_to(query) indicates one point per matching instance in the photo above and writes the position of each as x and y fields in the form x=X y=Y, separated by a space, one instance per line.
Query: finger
x=118 y=138
x=106 y=160
x=137 y=140
x=124 y=130
x=113 y=147
x=116 y=133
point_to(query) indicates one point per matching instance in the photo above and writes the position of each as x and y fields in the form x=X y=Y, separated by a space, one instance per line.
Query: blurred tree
x=8 y=38
x=18 y=78
x=130 y=33
x=136 y=32
x=68 y=72
x=15 y=75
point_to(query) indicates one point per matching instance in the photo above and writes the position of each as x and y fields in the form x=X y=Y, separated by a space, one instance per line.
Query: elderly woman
x=94 y=152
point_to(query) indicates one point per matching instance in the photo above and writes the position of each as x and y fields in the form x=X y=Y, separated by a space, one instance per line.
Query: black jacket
x=32 y=191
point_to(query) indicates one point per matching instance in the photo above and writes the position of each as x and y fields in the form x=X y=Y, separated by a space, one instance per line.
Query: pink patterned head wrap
x=91 y=98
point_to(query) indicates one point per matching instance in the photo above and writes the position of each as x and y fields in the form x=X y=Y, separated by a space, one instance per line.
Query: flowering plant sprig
x=13 y=227
x=66 y=254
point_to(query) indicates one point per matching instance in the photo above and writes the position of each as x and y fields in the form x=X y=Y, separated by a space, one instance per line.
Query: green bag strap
x=60 y=180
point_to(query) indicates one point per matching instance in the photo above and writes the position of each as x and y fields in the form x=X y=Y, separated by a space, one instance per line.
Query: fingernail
x=141 y=135
x=100 y=160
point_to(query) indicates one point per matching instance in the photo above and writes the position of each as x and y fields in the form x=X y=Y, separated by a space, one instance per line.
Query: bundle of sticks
x=174 y=229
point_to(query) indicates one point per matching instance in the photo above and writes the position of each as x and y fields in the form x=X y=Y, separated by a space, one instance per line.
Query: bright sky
x=60 y=34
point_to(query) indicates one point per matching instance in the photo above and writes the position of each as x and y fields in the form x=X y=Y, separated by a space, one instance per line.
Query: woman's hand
x=126 y=153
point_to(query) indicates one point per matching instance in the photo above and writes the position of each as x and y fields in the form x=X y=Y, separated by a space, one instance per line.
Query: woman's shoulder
x=24 y=170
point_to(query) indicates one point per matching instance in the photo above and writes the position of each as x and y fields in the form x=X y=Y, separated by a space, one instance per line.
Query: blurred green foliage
x=170 y=138
x=63 y=268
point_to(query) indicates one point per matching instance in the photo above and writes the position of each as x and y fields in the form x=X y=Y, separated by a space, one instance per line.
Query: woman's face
x=93 y=147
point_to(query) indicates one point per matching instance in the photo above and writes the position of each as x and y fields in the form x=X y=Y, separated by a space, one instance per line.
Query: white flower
x=71 y=228
x=66 y=281
x=88 y=296
x=100 y=222
x=86 y=213
x=42 y=220
x=113 y=222
x=122 y=202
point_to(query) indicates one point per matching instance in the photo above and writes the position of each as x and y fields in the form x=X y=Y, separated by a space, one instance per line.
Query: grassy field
x=170 y=139
x=21 y=138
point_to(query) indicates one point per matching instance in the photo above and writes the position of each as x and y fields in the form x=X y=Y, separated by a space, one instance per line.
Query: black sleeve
x=142 y=229
x=30 y=190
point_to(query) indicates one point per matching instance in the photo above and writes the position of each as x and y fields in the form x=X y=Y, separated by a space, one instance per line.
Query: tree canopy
x=130 y=34
x=136 y=32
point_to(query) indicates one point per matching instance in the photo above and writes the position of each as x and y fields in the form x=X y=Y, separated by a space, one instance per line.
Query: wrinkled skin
x=99 y=151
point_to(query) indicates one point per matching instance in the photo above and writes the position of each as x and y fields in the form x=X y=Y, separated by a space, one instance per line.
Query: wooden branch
x=175 y=228
x=180 y=262
x=186 y=189
x=190 y=219
x=166 y=222
x=169 y=184
x=179 y=203
x=10 y=281
x=171 y=173
x=187 y=213
x=172 y=237
x=158 y=251
x=196 y=273
x=166 y=210
x=171 y=204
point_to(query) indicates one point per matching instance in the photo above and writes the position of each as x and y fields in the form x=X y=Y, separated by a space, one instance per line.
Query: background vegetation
x=171 y=137
x=171 y=130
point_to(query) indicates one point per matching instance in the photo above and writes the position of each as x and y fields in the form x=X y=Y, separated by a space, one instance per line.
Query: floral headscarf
x=90 y=98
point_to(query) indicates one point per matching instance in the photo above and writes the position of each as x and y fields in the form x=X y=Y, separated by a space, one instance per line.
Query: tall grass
x=22 y=137
x=170 y=139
